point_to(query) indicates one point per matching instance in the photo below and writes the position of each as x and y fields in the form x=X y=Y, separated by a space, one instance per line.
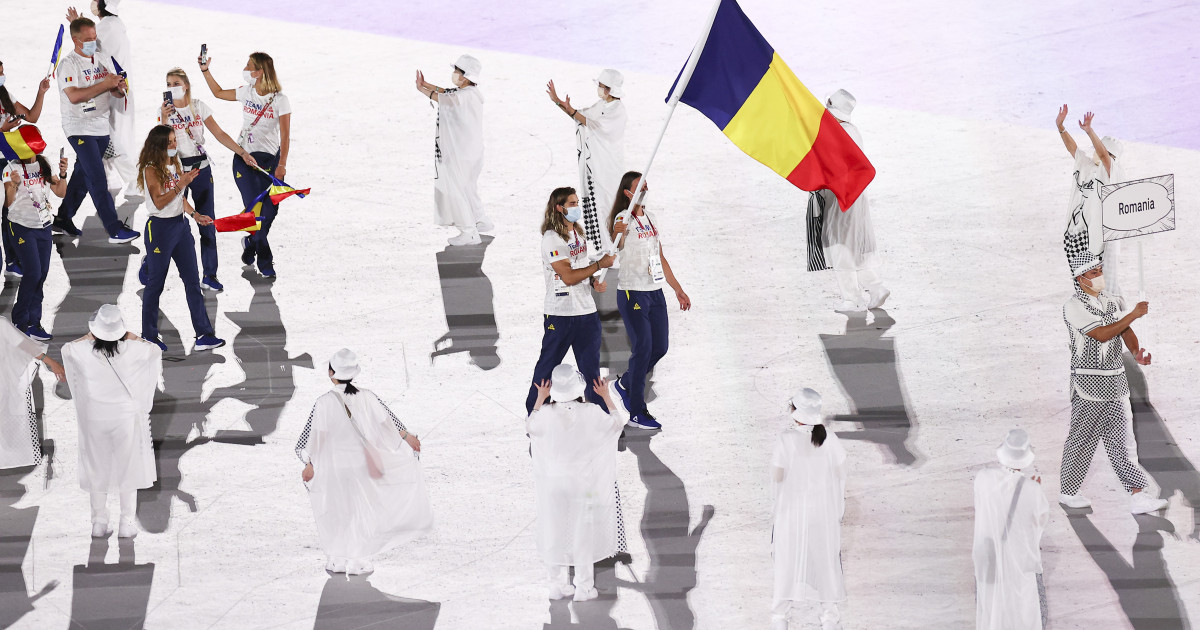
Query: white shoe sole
x=1159 y=504
x=879 y=301
x=122 y=241
x=484 y=227
x=201 y=348
x=585 y=596
x=1076 y=502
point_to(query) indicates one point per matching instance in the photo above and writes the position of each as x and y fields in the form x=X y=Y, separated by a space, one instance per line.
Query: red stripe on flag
x=834 y=162
x=235 y=222
x=32 y=138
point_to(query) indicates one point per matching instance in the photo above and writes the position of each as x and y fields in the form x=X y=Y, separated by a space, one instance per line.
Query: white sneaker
x=336 y=565
x=561 y=591
x=359 y=567
x=100 y=530
x=484 y=225
x=1143 y=503
x=878 y=295
x=128 y=529
x=1074 y=500
x=586 y=594
x=849 y=306
x=465 y=238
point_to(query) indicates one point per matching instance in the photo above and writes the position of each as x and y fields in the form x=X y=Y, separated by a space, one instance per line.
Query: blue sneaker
x=268 y=273
x=211 y=284
x=143 y=272
x=156 y=341
x=644 y=420
x=12 y=269
x=63 y=225
x=622 y=392
x=247 y=252
x=208 y=342
x=36 y=333
x=123 y=235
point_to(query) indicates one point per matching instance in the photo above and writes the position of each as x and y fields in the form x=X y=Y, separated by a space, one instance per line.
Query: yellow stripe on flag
x=778 y=123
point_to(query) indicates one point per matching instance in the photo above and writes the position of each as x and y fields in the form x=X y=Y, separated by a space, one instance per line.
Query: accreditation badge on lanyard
x=655 y=268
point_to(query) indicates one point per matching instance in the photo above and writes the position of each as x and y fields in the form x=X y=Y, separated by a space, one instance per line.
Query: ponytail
x=818 y=435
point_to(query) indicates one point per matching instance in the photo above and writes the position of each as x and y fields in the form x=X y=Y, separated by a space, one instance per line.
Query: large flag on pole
x=743 y=86
x=21 y=143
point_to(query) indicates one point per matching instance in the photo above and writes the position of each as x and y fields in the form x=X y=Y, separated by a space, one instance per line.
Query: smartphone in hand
x=203 y=53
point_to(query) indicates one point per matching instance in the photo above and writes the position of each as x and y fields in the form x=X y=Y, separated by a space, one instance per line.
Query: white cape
x=1087 y=213
x=849 y=237
x=114 y=44
x=459 y=158
x=1007 y=550
x=574 y=447
x=113 y=398
x=358 y=516
x=809 y=486
x=601 y=145
x=19 y=444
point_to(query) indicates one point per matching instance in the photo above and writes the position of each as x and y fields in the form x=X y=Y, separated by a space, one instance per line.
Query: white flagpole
x=676 y=94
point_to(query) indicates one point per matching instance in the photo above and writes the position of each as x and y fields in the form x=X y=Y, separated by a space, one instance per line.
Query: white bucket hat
x=612 y=80
x=1015 y=452
x=566 y=383
x=106 y=324
x=344 y=364
x=470 y=67
x=808 y=406
x=840 y=104
x=112 y=5
x=1113 y=145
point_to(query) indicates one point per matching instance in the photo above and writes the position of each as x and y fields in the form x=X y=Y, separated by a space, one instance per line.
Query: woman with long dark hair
x=808 y=480
x=12 y=114
x=643 y=271
x=189 y=117
x=266 y=135
x=169 y=236
x=570 y=320
x=27 y=223
x=113 y=375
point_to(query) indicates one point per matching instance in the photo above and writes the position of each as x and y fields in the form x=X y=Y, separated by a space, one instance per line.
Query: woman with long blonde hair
x=169 y=237
x=266 y=135
x=189 y=117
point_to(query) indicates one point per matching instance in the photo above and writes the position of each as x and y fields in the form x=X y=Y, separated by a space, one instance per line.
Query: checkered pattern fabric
x=1092 y=421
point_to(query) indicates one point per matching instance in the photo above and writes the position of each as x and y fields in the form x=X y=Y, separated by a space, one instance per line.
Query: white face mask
x=178 y=92
x=458 y=79
x=95 y=8
x=248 y=75
x=172 y=152
x=1096 y=284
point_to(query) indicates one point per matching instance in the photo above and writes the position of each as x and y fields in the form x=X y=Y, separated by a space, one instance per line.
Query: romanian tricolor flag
x=22 y=143
x=742 y=85
x=56 y=54
x=279 y=189
x=249 y=220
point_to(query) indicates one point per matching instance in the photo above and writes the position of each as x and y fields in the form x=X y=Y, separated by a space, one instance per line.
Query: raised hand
x=72 y=14
x=553 y=93
x=421 y=84
x=44 y=86
x=1062 y=116
x=1086 y=123
x=543 y=389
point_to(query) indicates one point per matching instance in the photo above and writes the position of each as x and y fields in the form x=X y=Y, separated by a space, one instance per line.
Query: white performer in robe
x=125 y=142
x=362 y=472
x=113 y=374
x=458 y=152
x=1086 y=216
x=19 y=441
x=1010 y=515
x=808 y=475
x=847 y=238
x=600 y=140
x=574 y=447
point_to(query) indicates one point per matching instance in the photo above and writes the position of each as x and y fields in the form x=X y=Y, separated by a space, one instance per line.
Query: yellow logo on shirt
x=551 y=327
x=239 y=176
x=20 y=241
x=637 y=307
x=156 y=251
x=80 y=141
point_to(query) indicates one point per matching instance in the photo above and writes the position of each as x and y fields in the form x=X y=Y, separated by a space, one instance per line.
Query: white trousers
x=829 y=611
x=585 y=575
x=100 y=506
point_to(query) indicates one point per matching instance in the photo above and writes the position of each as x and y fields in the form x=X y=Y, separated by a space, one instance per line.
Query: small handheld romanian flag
x=279 y=189
x=56 y=54
x=22 y=143
x=249 y=220
x=742 y=85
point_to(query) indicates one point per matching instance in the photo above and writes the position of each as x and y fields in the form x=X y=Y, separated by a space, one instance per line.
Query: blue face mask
x=574 y=214
x=89 y=48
